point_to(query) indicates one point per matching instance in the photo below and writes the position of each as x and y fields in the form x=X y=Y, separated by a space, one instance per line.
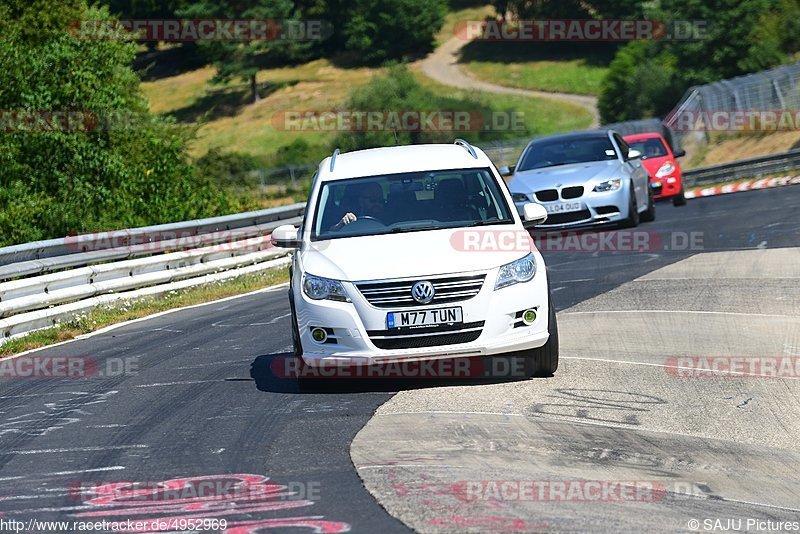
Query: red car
x=666 y=177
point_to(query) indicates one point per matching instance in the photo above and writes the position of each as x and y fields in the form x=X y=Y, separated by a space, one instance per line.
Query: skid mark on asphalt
x=74 y=449
x=236 y=496
x=53 y=416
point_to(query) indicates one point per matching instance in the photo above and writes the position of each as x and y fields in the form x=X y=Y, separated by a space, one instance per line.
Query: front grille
x=657 y=189
x=398 y=293
x=547 y=195
x=572 y=192
x=417 y=342
x=565 y=218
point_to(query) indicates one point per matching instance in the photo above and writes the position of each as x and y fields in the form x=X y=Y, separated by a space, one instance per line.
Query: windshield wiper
x=488 y=222
x=407 y=229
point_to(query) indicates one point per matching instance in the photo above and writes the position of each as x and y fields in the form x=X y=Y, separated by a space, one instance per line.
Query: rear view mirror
x=507 y=170
x=534 y=214
x=634 y=154
x=284 y=237
x=679 y=153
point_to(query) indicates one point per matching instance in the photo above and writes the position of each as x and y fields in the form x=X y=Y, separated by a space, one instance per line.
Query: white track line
x=679 y=311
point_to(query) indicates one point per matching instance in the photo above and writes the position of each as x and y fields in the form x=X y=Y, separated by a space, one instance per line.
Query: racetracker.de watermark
x=178 y=491
x=67 y=121
x=157 y=241
x=31 y=366
x=564 y=490
x=397 y=120
x=196 y=30
x=588 y=30
x=733 y=366
x=455 y=368
x=622 y=241
x=753 y=120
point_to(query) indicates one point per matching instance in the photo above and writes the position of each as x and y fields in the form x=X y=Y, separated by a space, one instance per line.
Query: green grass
x=556 y=67
x=229 y=121
x=541 y=116
x=126 y=311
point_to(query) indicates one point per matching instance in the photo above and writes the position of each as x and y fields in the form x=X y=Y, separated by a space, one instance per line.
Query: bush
x=227 y=168
x=399 y=91
x=128 y=169
x=639 y=84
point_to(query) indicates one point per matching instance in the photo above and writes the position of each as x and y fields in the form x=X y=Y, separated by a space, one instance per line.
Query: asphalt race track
x=199 y=404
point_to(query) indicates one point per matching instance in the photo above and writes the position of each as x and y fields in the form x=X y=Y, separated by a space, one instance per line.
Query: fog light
x=529 y=317
x=319 y=335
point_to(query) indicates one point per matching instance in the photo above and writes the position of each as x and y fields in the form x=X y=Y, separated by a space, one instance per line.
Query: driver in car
x=368 y=203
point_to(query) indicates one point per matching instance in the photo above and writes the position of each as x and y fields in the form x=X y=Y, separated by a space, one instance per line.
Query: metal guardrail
x=44 y=282
x=746 y=168
x=93 y=242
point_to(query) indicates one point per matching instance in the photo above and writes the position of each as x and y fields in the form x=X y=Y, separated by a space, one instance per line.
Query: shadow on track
x=270 y=374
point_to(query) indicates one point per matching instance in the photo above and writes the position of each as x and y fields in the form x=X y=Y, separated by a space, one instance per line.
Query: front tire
x=543 y=361
x=297 y=350
x=650 y=214
x=633 y=211
x=680 y=198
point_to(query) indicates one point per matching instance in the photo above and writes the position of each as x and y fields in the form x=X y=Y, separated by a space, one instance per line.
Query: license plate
x=435 y=317
x=564 y=207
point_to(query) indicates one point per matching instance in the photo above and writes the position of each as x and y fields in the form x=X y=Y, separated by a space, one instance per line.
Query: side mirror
x=534 y=214
x=634 y=154
x=284 y=237
x=679 y=153
x=507 y=170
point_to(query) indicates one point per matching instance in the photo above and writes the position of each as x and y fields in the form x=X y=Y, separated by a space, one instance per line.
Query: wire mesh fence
x=755 y=102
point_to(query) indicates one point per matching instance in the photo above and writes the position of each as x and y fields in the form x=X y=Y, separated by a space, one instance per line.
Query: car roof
x=398 y=159
x=640 y=136
x=583 y=134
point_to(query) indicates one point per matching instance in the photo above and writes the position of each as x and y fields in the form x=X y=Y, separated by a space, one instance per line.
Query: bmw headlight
x=516 y=272
x=519 y=197
x=318 y=288
x=608 y=185
x=666 y=169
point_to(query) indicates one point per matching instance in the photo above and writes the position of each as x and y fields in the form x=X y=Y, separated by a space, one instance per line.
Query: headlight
x=666 y=169
x=318 y=288
x=608 y=185
x=519 y=197
x=516 y=272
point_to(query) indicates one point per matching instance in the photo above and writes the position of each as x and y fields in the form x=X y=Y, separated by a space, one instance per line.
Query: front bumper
x=666 y=187
x=599 y=209
x=355 y=324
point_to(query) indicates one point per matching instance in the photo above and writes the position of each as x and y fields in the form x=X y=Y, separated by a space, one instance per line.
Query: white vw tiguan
x=413 y=253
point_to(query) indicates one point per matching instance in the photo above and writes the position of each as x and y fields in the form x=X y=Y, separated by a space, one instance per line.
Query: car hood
x=415 y=254
x=564 y=176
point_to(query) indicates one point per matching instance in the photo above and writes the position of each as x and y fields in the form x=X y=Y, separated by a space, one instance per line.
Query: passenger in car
x=451 y=201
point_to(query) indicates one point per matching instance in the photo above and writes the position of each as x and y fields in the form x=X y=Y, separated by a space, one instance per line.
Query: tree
x=116 y=165
x=741 y=36
x=374 y=31
x=241 y=59
x=639 y=84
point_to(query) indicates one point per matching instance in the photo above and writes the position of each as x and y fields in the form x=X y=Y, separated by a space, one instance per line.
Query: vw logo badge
x=423 y=292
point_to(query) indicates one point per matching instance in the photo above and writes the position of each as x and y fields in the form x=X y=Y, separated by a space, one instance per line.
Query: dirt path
x=442 y=66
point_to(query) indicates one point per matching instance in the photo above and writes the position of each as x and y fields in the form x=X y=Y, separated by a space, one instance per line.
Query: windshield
x=650 y=148
x=409 y=202
x=551 y=153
